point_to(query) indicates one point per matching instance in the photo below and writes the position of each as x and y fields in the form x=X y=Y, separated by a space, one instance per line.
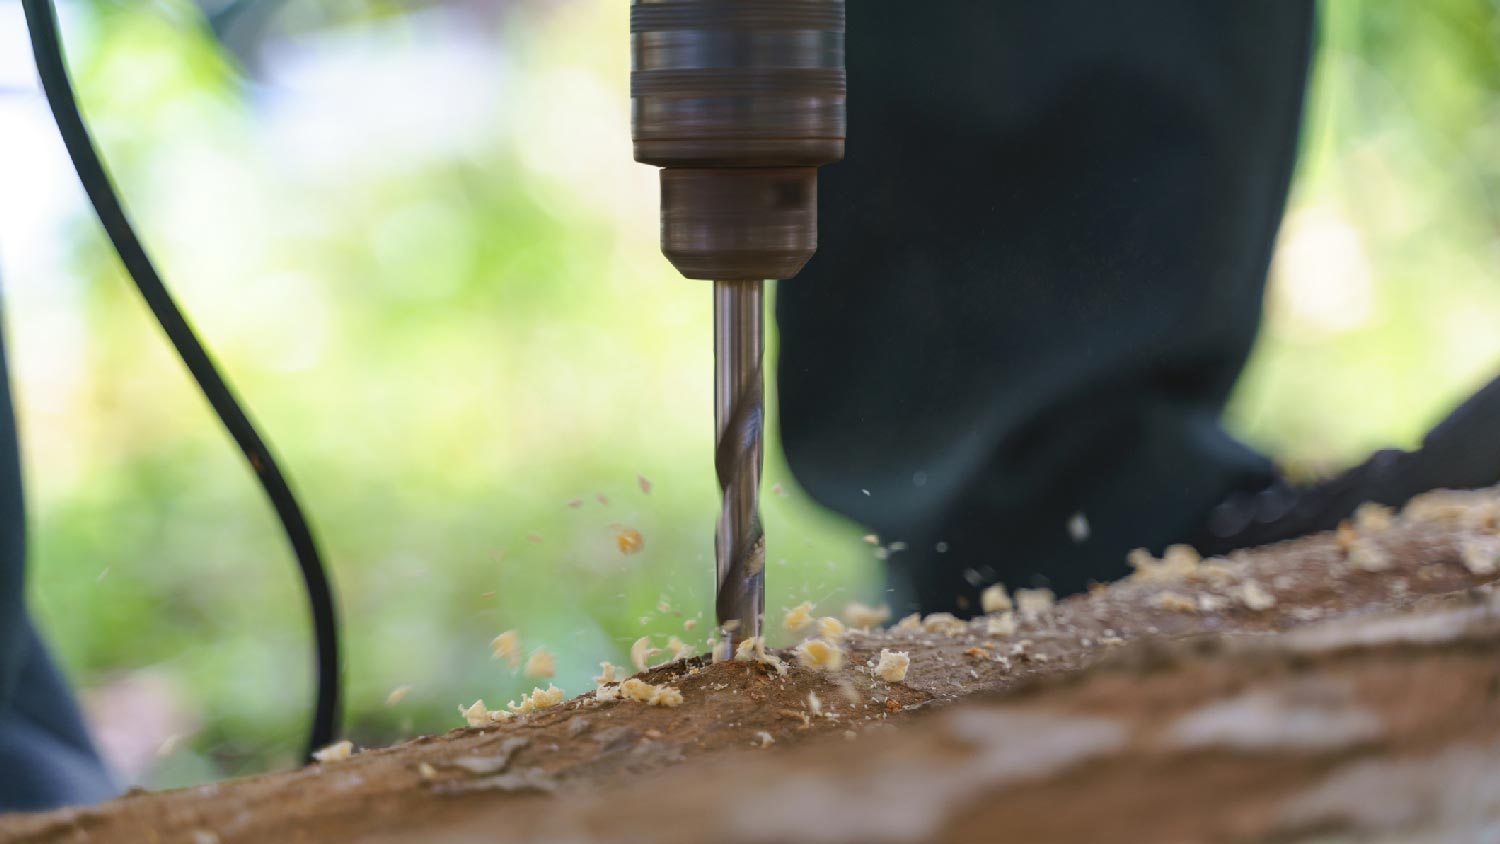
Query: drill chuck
x=739 y=101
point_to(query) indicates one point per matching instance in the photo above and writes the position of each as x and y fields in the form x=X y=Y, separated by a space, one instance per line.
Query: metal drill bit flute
x=739 y=102
x=739 y=419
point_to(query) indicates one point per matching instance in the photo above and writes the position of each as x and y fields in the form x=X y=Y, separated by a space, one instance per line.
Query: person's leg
x=1039 y=275
x=46 y=757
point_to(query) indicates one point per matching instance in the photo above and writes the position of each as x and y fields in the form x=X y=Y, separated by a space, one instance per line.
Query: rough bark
x=1360 y=702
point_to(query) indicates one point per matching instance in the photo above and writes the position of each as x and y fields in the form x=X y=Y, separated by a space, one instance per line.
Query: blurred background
x=414 y=236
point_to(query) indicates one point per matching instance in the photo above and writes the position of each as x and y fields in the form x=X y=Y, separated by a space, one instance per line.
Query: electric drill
x=739 y=102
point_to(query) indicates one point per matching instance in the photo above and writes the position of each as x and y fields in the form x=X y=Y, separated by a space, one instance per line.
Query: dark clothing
x=46 y=758
x=1040 y=273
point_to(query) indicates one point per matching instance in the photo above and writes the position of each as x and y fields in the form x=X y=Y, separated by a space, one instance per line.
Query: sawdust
x=892 y=665
x=641 y=651
x=996 y=599
x=336 y=752
x=507 y=646
x=798 y=618
x=538 y=699
x=629 y=541
x=820 y=655
x=862 y=617
x=541 y=664
x=830 y=628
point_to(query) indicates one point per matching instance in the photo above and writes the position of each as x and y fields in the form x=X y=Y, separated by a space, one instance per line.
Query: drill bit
x=739 y=417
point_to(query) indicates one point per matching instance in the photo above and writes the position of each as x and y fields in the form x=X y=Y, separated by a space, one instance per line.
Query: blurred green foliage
x=1385 y=295
x=421 y=250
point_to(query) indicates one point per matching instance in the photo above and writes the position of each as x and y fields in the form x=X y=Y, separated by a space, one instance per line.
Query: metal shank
x=739 y=416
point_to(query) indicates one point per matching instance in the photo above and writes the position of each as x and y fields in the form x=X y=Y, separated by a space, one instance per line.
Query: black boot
x=1462 y=452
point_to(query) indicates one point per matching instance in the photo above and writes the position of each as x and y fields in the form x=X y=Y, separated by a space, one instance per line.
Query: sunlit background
x=414 y=236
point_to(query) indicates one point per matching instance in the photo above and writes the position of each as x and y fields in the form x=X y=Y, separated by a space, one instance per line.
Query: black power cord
x=46 y=45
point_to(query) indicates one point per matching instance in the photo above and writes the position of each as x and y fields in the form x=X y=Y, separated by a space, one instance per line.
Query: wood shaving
x=605 y=694
x=871 y=538
x=397 y=695
x=541 y=664
x=995 y=599
x=426 y=771
x=642 y=692
x=944 y=623
x=798 y=618
x=476 y=715
x=1255 y=597
x=754 y=650
x=1370 y=517
x=1345 y=536
x=751 y=649
x=606 y=674
x=642 y=651
x=336 y=752
x=601 y=498
x=909 y=624
x=677 y=649
x=1003 y=624
x=1178 y=562
x=830 y=628
x=820 y=655
x=507 y=646
x=666 y=696
x=575 y=503
x=643 y=483
x=778 y=489
x=1034 y=603
x=1217 y=571
x=1365 y=555
x=1481 y=554
x=1473 y=509
x=534 y=538
x=865 y=618
x=537 y=700
x=764 y=738
x=1173 y=601
x=687 y=626
x=892 y=665
x=629 y=541
x=814 y=703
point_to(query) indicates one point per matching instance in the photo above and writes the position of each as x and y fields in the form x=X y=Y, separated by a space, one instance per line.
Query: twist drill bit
x=739 y=418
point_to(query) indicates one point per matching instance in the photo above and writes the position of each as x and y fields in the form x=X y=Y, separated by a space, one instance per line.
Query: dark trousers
x=1040 y=273
x=46 y=758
